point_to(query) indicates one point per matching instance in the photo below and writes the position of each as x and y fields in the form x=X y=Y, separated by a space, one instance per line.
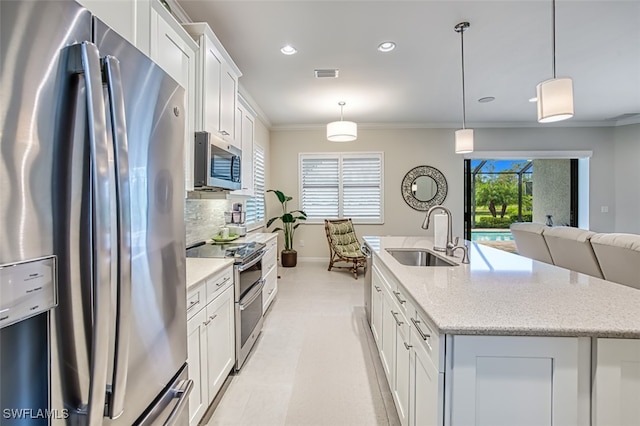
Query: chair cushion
x=345 y=241
x=570 y=248
x=619 y=257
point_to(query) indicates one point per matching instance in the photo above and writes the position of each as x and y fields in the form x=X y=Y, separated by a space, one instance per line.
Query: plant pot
x=289 y=259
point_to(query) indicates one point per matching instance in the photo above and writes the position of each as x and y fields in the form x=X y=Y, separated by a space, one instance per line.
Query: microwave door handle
x=84 y=59
x=115 y=405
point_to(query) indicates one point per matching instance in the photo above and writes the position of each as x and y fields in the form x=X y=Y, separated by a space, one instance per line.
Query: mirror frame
x=433 y=173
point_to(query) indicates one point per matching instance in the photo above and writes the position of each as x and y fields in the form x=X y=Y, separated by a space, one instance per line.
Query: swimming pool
x=491 y=236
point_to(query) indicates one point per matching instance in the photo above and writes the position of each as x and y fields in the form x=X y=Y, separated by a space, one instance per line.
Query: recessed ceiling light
x=289 y=50
x=386 y=46
x=534 y=99
x=486 y=99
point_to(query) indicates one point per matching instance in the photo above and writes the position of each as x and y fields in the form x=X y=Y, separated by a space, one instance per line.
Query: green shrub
x=493 y=222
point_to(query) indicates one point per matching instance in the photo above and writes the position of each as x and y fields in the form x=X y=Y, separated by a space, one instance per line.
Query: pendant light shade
x=342 y=131
x=464 y=136
x=555 y=96
x=464 y=141
x=555 y=100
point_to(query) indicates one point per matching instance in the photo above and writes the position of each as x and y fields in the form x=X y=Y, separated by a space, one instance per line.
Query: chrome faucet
x=425 y=225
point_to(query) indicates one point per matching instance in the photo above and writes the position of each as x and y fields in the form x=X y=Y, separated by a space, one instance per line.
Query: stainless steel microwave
x=217 y=164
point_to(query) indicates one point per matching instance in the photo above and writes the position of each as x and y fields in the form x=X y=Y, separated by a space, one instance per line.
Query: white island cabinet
x=270 y=271
x=503 y=340
x=210 y=331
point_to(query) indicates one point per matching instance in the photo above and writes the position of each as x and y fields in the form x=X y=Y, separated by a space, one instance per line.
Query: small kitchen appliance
x=235 y=220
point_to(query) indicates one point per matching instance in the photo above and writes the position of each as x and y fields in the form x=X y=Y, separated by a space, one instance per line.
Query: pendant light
x=464 y=136
x=342 y=131
x=555 y=96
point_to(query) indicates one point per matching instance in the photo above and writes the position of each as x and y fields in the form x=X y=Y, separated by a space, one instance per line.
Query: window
x=336 y=185
x=255 y=205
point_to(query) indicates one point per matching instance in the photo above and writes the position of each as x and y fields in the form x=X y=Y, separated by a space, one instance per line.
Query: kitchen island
x=504 y=340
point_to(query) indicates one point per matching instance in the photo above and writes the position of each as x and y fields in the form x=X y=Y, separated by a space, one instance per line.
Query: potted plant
x=288 y=256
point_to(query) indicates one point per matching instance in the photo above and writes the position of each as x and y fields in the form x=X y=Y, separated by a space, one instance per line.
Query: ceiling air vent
x=326 y=73
x=626 y=116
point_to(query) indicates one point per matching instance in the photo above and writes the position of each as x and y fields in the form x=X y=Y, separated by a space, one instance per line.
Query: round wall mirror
x=424 y=187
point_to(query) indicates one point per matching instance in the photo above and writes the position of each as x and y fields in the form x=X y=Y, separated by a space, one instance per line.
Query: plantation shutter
x=342 y=185
x=255 y=205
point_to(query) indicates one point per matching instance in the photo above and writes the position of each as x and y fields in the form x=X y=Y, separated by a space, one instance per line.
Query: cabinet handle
x=397 y=294
x=395 y=317
x=224 y=132
x=271 y=291
x=222 y=282
x=192 y=304
x=377 y=288
x=206 y=322
x=422 y=334
x=407 y=346
x=212 y=317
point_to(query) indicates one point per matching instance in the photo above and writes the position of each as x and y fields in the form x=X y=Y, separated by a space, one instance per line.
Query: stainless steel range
x=248 y=280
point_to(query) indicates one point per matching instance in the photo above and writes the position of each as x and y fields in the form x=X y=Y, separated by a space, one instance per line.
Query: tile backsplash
x=204 y=218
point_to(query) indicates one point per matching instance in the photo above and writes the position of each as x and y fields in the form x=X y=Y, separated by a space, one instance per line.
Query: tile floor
x=315 y=362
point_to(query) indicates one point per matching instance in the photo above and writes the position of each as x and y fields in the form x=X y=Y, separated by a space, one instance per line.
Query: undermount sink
x=419 y=257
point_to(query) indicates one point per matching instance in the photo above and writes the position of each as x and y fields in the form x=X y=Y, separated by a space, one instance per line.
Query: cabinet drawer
x=428 y=336
x=218 y=282
x=195 y=299
x=386 y=277
x=272 y=243
x=269 y=261
x=270 y=288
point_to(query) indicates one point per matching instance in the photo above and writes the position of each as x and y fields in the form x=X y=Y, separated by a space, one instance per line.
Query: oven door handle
x=246 y=266
x=252 y=296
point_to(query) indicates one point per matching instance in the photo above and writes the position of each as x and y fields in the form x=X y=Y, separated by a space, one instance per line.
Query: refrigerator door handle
x=115 y=404
x=183 y=395
x=84 y=58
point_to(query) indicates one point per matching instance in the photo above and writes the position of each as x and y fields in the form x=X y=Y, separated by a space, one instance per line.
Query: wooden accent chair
x=344 y=245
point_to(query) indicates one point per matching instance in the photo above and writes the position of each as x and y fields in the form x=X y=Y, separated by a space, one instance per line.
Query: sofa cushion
x=619 y=257
x=530 y=242
x=571 y=248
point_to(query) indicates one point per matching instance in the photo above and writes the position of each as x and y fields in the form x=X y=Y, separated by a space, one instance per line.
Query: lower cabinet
x=425 y=402
x=514 y=380
x=616 y=383
x=270 y=273
x=210 y=347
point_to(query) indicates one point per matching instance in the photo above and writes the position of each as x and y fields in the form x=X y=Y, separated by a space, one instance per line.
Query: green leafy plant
x=289 y=220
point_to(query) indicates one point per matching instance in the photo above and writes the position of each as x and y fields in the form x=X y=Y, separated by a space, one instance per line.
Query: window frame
x=340 y=156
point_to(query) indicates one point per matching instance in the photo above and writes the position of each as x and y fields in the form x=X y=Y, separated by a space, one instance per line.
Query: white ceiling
x=507 y=52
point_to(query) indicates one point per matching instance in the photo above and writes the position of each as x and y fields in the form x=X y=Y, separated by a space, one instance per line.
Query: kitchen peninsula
x=503 y=340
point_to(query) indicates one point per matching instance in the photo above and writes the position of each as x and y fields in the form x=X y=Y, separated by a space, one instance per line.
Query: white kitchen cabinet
x=129 y=18
x=376 y=307
x=426 y=399
x=176 y=53
x=197 y=361
x=616 y=386
x=389 y=334
x=220 y=340
x=210 y=339
x=509 y=380
x=245 y=118
x=402 y=357
x=217 y=86
x=270 y=273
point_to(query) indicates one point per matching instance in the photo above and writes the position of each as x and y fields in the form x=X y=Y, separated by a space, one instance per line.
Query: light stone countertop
x=200 y=268
x=500 y=293
x=260 y=237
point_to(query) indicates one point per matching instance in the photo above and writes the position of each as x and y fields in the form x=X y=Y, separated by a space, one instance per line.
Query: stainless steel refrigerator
x=91 y=172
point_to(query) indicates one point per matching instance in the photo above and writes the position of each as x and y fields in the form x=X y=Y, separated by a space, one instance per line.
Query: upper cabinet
x=245 y=124
x=216 y=88
x=176 y=53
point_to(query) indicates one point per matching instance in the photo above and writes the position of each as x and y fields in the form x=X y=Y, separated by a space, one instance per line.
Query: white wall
x=407 y=148
x=627 y=178
x=552 y=190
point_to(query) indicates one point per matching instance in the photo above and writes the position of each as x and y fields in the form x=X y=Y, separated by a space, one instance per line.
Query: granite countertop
x=500 y=293
x=200 y=268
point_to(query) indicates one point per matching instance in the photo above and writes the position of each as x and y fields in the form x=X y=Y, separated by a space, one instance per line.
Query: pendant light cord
x=461 y=27
x=553 y=35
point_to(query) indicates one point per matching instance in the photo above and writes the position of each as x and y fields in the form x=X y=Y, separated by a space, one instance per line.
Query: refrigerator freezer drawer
x=170 y=408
